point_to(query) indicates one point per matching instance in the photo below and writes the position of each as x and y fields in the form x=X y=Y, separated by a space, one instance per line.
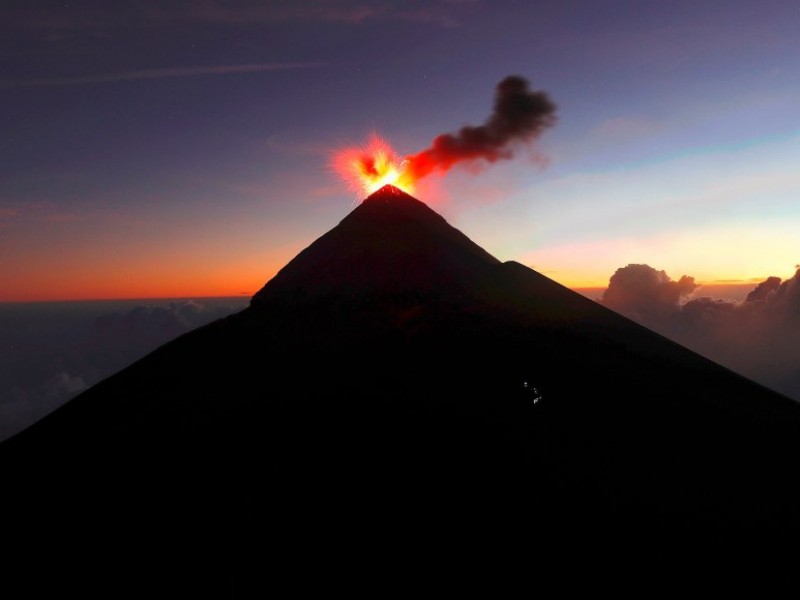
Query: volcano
x=395 y=408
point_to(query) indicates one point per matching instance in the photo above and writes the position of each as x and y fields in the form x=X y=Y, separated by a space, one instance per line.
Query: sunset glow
x=149 y=172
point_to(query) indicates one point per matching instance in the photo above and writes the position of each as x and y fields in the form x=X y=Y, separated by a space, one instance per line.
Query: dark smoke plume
x=520 y=115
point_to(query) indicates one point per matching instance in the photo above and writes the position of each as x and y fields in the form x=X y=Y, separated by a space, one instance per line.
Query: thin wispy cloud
x=63 y=21
x=353 y=12
x=165 y=73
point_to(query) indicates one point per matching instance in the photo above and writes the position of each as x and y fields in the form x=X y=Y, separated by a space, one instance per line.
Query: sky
x=182 y=149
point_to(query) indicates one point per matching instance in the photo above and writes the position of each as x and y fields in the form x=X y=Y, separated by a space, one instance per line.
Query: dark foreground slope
x=397 y=404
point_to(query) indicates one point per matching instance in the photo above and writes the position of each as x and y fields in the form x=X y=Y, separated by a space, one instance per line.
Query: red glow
x=518 y=118
x=368 y=168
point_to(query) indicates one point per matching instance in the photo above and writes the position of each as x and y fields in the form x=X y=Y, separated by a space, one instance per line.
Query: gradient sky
x=176 y=149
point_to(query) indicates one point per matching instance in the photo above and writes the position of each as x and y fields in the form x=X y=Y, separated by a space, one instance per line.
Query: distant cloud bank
x=54 y=351
x=758 y=337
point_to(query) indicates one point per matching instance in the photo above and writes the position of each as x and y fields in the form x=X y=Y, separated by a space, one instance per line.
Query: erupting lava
x=368 y=168
x=519 y=116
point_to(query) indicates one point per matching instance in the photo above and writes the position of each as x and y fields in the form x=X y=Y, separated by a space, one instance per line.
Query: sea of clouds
x=758 y=336
x=52 y=351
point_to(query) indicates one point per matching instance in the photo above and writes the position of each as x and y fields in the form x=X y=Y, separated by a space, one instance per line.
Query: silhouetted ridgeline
x=51 y=351
x=398 y=408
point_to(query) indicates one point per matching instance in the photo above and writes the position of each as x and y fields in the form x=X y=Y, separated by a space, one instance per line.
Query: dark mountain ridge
x=398 y=404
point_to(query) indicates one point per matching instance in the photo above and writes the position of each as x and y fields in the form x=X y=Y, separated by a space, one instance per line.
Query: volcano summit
x=397 y=405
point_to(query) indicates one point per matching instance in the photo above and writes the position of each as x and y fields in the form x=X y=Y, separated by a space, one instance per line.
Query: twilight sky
x=178 y=149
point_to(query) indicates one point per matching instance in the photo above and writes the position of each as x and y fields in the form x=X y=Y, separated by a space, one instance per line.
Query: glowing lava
x=519 y=117
x=368 y=168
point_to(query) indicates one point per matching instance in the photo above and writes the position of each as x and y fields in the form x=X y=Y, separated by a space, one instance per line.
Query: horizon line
x=242 y=295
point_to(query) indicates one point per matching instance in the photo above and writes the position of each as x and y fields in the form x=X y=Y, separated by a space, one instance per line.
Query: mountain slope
x=395 y=403
x=362 y=254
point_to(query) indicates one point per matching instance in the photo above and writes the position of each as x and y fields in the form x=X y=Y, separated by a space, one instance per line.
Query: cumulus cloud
x=764 y=290
x=787 y=297
x=705 y=310
x=645 y=294
x=758 y=337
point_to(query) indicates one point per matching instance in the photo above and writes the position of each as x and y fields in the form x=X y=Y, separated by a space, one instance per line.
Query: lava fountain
x=369 y=167
x=519 y=116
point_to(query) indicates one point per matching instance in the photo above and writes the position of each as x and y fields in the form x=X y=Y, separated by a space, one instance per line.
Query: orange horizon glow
x=248 y=286
x=113 y=259
x=135 y=293
x=145 y=281
x=601 y=284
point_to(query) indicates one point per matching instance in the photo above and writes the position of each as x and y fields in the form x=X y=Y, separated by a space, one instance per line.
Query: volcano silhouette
x=399 y=408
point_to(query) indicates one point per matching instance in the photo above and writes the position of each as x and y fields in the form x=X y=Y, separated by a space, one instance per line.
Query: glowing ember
x=368 y=168
x=518 y=118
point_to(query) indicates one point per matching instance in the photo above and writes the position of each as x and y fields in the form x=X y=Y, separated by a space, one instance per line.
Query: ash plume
x=519 y=116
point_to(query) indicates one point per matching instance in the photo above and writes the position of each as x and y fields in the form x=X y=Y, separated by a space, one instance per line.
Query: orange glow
x=368 y=168
x=106 y=276
x=136 y=283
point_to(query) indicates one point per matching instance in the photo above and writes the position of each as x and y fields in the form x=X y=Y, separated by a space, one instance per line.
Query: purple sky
x=181 y=148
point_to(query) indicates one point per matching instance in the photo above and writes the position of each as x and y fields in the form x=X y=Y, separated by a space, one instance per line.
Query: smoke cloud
x=519 y=116
x=758 y=337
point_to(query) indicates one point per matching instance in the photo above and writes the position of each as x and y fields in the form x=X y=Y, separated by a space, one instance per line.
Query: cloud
x=166 y=73
x=62 y=386
x=25 y=406
x=645 y=294
x=238 y=13
x=116 y=339
x=52 y=359
x=764 y=290
x=57 y=23
x=519 y=116
x=352 y=12
x=705 y=310
x=758 y=337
